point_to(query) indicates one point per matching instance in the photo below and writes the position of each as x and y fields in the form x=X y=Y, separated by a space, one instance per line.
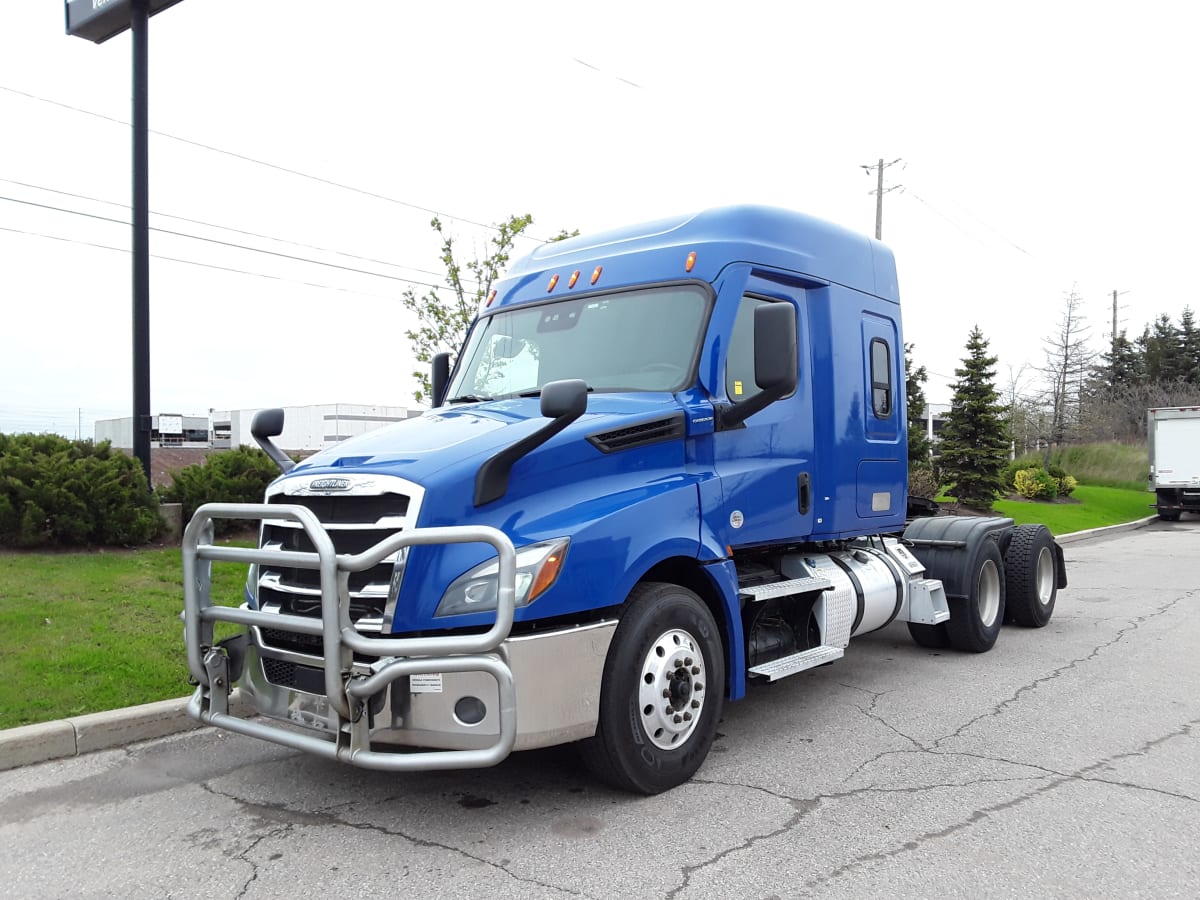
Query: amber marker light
x=691 y=262
x=553 y=282
x=574 y=278
x=491 y=297
x=546 y=575
x=596 y=274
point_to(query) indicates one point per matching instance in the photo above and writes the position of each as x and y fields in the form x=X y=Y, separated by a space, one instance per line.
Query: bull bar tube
x=348 y=693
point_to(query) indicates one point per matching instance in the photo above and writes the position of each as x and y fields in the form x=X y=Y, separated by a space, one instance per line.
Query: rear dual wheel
x=1031 y=568
x=975 y=619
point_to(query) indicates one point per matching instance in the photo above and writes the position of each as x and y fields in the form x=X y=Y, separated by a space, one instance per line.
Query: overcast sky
x=1045 y=146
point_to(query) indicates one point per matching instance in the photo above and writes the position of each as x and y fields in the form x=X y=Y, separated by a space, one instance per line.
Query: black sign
x=98 y=20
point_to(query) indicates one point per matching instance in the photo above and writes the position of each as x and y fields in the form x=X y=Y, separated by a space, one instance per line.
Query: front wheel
x=663 y=690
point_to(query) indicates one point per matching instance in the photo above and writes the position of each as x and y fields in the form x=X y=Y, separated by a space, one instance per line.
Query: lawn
x=94 y=630
x=1096 y=507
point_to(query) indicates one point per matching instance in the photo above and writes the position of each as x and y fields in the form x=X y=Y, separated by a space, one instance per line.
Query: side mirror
x=268 y=423
x=776 y=364
x=564 y=398
x=562 y=403
x=440 y=379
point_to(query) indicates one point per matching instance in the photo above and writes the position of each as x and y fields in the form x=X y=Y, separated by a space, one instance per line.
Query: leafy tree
x=442 y=325
x=974 y=443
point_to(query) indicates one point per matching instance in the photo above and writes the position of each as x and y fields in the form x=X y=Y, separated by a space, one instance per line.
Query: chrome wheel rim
x=672 y=688
x=988 y=593
x=1045 y=576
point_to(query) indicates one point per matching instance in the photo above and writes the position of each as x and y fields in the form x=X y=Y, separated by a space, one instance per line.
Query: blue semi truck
x=669 y=461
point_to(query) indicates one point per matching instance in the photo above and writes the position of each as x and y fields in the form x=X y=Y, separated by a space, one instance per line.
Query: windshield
x=644 y=340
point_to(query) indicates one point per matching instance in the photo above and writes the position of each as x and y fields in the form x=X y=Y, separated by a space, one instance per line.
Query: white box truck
x=1174 y=434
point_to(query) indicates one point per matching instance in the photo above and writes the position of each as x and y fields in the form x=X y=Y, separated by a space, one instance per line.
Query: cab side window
x=739 y=363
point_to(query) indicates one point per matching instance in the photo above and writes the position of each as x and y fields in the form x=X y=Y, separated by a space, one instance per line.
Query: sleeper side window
x=881 y=378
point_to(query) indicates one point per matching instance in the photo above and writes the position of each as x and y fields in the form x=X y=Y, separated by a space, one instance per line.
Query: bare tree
x=1068 y=363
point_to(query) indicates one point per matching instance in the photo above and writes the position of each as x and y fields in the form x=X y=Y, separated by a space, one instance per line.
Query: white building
x=305 y=428
x=166 y=430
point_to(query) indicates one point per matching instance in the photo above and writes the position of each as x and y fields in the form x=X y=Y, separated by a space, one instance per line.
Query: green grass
x=89 y=631
x=1097 y=506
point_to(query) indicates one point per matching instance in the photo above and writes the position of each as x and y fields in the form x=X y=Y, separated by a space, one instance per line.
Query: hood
x=463 y=436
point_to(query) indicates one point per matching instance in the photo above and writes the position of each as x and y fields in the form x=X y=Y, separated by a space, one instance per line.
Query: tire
x=931 y=637
x=1169 y=515
x=1031 y=573
x=975 y=620
x=646 y=742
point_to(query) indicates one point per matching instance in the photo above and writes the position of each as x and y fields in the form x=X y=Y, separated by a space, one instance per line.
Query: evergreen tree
x=914 y=393
x=974 y=443
x=1159 y=346
x=1189 y=347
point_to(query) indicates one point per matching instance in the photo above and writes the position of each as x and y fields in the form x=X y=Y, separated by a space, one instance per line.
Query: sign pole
x=140 y=24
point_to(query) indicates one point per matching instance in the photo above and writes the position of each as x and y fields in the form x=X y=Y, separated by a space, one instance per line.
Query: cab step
x=797 y=662
x=788 y=588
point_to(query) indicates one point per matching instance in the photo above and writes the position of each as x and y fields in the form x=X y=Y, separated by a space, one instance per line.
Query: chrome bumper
x=394 y=699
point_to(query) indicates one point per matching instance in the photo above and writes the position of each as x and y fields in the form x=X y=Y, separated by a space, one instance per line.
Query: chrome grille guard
x=346 y=691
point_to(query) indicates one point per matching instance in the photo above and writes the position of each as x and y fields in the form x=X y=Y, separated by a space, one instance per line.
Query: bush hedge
x=231 y=476
x=59 y=492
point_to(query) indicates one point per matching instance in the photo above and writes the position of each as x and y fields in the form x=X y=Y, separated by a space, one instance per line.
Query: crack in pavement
x=1052 y=778
x=802 y=807
x=1134 y=625
x=302 y=817
x=1058 y=780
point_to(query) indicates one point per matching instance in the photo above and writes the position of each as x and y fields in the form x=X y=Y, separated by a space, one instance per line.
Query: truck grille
x=354 y=522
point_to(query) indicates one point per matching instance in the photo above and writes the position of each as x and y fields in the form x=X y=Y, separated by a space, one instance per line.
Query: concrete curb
x=1107 y=529
x=105 y=730
x=45 y=741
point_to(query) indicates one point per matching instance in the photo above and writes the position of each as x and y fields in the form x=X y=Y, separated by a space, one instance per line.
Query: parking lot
x=1061 y=764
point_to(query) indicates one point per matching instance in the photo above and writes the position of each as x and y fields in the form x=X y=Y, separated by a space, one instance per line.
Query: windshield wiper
x=468 y=398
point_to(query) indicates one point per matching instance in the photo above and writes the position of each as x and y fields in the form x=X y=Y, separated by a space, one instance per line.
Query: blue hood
x=453 y=441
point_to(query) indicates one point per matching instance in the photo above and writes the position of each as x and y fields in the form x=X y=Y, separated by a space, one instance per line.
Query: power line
x=196 y=237
x=192 y=262
x=265 y=237
x=259 y=162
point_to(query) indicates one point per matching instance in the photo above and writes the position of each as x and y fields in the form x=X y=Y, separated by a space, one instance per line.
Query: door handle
x=804 y=492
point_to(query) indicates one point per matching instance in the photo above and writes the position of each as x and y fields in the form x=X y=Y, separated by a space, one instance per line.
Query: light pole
x=97 y=21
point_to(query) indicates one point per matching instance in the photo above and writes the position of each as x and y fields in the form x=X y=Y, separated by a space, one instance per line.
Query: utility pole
x=879 y=192
x=1114 y=350
x=1115 y=294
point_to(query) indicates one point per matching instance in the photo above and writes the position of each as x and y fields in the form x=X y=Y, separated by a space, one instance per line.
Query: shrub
x=231 y=476
x=1066 y=484
x=923 y=481
x=58 y=492
x=1035 y=484
x=1015 y=466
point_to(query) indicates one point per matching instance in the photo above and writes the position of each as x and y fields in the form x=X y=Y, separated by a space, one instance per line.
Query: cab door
x=766 y=463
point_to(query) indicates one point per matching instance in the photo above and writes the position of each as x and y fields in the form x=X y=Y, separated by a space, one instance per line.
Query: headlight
x=538 y=566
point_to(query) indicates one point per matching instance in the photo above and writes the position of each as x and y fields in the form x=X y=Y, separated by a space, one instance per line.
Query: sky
x=304 y=146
